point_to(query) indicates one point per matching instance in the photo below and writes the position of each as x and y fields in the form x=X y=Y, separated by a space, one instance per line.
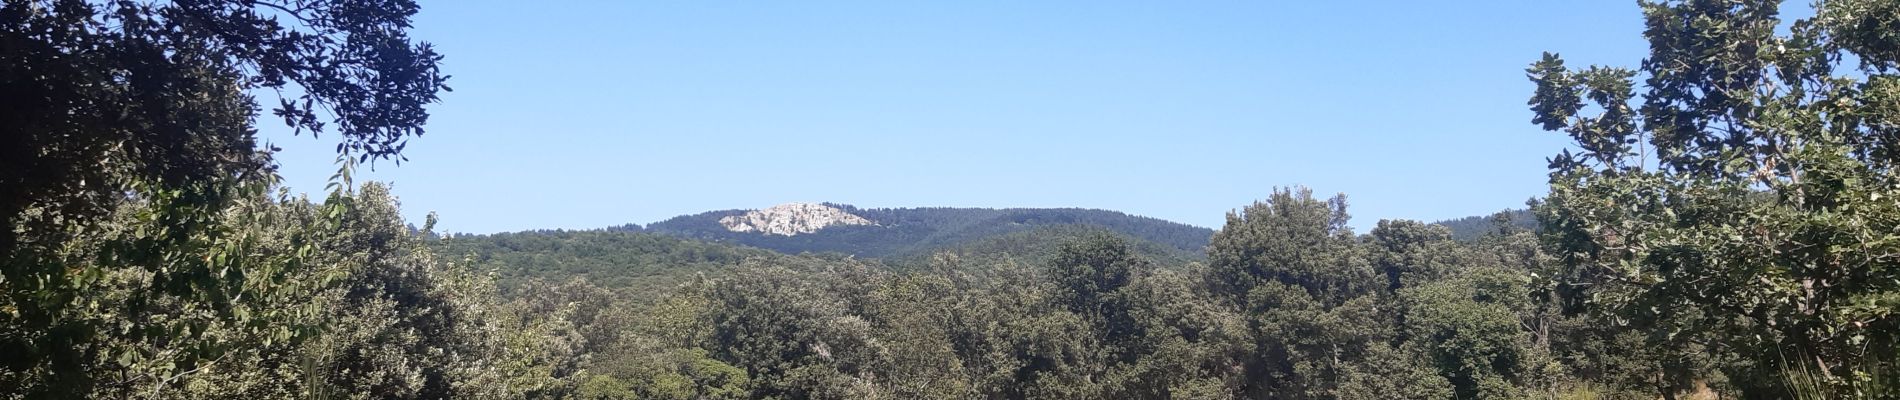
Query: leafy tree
x=683 y=374
x=401 y=323
x=1013 y=338
x=605 y=387
x=920 y=318
x=1388 y=373
x=1291 y=239
x=1747 y=201
x=1412 y=252
x=1186 y=344
x=1089 y=275
x=795 y=338
x=385 y=319
x=1291 y=264
x=1470 y=329
x=127 y=145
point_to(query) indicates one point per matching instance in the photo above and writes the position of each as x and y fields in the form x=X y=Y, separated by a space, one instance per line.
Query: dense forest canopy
x=1730 y=232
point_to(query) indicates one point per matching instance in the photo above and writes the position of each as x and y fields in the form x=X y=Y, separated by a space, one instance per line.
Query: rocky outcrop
x=791 y=219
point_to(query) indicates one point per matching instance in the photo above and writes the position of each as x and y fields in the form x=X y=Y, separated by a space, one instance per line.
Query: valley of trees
x=1731 y=233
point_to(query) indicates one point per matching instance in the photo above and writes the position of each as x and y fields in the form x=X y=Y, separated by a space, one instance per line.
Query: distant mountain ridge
x=912 y=232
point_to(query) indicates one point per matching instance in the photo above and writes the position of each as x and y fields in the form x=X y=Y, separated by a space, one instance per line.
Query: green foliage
x=402 y=324
x=806 y=327
x=143 y=247
x=1746 y=208
x=1473 y=332
x=1292 y=240
x=356 y=308
x=683 y=374
x=1388 y=373
x=1090 y=273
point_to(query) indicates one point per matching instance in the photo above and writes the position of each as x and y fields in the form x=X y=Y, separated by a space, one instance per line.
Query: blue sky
x=589 y=114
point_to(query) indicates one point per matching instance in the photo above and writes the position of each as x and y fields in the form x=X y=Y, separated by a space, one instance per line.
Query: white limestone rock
x=791 y=219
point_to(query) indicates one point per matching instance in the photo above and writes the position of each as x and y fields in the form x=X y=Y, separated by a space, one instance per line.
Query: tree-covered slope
x=918 y=232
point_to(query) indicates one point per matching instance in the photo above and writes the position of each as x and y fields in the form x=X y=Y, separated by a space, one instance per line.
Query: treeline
x=1097 y=320
x=1290 y=304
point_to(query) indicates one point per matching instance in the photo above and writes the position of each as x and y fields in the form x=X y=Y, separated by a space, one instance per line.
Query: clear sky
x=589 y=114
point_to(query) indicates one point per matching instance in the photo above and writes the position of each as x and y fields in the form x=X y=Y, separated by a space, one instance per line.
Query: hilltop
x=897 y=233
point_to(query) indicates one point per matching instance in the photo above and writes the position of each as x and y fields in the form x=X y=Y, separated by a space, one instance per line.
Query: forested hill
x=649 y=260
x=915 y=232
